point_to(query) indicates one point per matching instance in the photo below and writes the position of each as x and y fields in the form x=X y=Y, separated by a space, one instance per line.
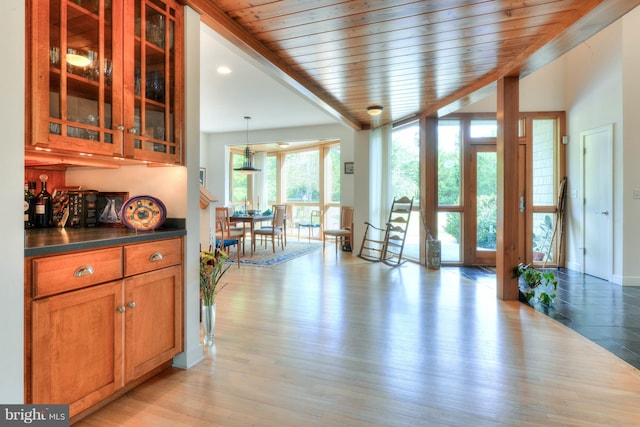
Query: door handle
x=602 y=213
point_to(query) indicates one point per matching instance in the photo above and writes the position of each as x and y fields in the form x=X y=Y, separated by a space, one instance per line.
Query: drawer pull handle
x=156 y=256
x=131 y=304
x=121 y=309
x=85 y=270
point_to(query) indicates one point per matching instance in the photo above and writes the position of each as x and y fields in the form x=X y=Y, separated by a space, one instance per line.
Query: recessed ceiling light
x=223 y=69
x=374 y=110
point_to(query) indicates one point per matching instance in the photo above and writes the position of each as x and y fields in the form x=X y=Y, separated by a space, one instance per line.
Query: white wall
x=593 y=91
x=162 y=182
x=631 y=144
x=12 y=189
x=539 y=91
x=367 y=180
x=192 y=346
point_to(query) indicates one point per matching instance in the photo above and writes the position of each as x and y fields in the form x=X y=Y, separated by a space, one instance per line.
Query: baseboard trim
x=626 y=280
x=574 y=266
x=189 y=359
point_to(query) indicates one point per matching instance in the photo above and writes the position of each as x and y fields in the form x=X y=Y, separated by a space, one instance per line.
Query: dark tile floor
x=606 y=313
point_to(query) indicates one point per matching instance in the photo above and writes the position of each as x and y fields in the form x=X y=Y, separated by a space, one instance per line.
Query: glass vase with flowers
x=212 y=267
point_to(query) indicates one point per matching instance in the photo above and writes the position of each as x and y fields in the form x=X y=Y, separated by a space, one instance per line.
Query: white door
x=597 y=179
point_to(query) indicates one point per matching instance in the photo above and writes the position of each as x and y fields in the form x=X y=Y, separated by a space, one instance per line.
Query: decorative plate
x=144 y=213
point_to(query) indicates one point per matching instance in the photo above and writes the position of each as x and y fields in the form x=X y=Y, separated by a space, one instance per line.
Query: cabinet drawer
x=152 y=256
x=61 y=273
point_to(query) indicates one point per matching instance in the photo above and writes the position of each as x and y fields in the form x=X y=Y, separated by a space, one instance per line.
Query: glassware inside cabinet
x=80 y=71
x=153 y=73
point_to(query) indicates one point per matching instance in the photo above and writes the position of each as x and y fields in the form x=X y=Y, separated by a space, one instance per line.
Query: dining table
x=252 y=220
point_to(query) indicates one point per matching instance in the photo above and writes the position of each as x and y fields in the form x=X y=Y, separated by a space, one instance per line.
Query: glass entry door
x=481 y=225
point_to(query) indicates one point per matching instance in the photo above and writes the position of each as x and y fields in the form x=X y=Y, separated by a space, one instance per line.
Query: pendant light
x=247 y=166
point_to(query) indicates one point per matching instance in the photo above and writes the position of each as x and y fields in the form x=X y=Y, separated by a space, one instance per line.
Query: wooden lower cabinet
x=89 y=344
x=152 y=320
x=77 y=347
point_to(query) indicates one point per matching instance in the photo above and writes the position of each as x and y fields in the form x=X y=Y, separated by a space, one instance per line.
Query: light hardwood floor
x=324 y=342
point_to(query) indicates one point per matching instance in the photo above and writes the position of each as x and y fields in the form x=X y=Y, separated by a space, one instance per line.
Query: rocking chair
x=387 y=244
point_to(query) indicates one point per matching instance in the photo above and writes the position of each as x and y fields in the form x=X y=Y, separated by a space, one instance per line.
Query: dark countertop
x=56 y=240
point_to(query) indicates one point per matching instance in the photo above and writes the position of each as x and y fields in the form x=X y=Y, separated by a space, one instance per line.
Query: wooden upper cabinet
x=107 y=78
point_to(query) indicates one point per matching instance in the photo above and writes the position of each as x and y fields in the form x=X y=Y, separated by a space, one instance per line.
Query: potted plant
x=536 y=285
x=212 y=267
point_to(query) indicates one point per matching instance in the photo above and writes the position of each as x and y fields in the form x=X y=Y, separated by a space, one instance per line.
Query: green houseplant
x=536 y=285
x=212 y=267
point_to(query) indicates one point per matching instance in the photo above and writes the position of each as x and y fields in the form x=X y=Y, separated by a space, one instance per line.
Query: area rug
x=264 y=257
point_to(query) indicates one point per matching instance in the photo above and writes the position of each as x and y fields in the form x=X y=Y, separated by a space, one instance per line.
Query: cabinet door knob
x=133 y=130
x=119 y=127
x=156 y=256
x=121 y=309
x=131 y=304
x=85 y=270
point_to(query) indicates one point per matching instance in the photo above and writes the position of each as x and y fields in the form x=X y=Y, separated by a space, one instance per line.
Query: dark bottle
x=27 y=206
x=32 y=203
x=43 y=205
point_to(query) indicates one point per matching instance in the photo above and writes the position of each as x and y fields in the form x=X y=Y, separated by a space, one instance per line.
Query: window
x=239 y=181
x=449 y=179
x=544 y=187
x=480 y=128
x=333 y=177
x=301 y=176
x=405 y=162
x=405 y=179
x=271 y=172
x=306 y=179
x=449 y=163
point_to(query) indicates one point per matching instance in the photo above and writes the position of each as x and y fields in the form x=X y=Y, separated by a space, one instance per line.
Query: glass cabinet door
x=153 y=130
x=82 y=74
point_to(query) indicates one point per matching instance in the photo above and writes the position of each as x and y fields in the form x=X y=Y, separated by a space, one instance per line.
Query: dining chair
x=225 y=243
x=225 y=230
x=287 y=218
x=344 y=234
x=314 y=222
x=275 y=231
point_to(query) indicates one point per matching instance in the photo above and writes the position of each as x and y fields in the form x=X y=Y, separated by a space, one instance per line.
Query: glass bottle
x=43 y=205
x=32 y=203
x=27 y=206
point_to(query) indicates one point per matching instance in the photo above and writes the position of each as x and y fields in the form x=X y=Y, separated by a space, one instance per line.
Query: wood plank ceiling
x=411 y=57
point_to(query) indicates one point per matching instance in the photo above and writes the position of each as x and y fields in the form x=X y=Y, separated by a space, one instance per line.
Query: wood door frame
x=524 y=172
x=526 y=175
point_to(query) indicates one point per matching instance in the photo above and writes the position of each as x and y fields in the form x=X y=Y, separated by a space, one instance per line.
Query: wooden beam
x=508 y=212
